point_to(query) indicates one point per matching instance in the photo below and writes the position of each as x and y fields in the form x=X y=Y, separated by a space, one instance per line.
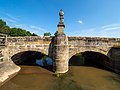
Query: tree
x=2 y=23
x=34 y=34
x=5 y=30
x=13 y=31
x=47 y=34
x=56 y=33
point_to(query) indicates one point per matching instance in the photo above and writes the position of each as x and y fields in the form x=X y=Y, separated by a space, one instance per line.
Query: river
x=78 y=78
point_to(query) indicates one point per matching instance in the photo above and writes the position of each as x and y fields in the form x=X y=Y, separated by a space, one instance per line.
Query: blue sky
x=82 y=17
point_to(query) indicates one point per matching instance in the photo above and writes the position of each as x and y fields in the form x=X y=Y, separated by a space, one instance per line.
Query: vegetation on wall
x=13 y=31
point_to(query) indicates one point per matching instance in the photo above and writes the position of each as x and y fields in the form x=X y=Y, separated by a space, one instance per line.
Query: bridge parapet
x=30 y=43
x=26 y=39
x=93 y=41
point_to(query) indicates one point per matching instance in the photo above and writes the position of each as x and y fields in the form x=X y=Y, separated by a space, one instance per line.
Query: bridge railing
x=3 y=39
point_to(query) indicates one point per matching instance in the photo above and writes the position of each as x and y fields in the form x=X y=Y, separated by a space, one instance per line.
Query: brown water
x=78 y=78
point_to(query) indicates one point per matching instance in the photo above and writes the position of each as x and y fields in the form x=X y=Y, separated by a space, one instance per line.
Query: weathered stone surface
x=97 y=44
x=61 y=54
x=115 y=56
x=7 y=71
x=21 y=44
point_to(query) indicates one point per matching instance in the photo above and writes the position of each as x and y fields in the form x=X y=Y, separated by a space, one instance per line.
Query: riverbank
x=7 y=71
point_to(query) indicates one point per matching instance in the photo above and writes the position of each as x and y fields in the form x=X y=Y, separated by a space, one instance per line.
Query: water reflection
x=44 y=62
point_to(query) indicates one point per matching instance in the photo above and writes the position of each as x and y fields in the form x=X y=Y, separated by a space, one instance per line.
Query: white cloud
x=80 y=21
x=9 y=20
x=110 y=25
x=112 y=28
x=12 y=17
x=19 y=25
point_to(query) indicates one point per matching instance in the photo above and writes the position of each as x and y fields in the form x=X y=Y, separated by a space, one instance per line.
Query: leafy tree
x=28 y=33
x=2 y=23
x=47 y=34
x=5 y=30
x=13 y=31
x=19 y=32
x=56 y=33
x=34 y=34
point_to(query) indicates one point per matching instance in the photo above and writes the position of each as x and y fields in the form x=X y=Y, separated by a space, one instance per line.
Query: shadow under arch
x=91 y=58
x=32 y=58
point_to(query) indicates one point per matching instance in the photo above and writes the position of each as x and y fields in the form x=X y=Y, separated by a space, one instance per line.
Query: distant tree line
x=49 y=34
x=13 y=31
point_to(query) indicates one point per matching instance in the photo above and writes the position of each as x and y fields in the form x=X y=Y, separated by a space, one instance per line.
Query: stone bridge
x=45 y=45
x=60 y=47
x=59 y=53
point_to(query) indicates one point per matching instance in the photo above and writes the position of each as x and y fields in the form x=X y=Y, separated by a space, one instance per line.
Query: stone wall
x=35 y=43
x=115 y=56
x=97 y=44
x=3 y=42
x=1 y=54
x=7 y=71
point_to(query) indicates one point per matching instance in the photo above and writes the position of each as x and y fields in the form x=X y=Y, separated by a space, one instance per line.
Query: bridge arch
x=91 y=58
x=15 y=51
x=102 y=50
x=33 y=58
